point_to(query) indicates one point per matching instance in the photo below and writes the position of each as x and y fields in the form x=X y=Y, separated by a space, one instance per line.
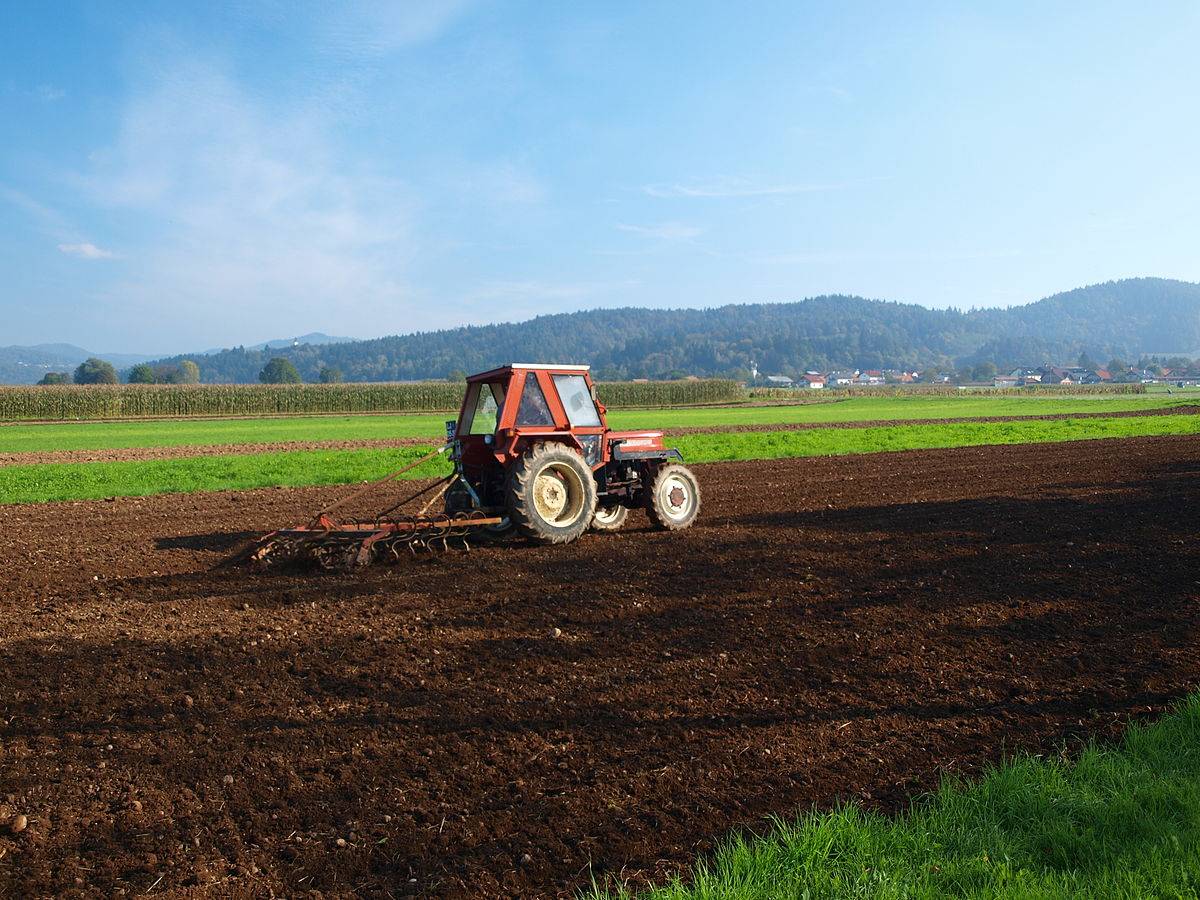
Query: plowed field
x=515 y=721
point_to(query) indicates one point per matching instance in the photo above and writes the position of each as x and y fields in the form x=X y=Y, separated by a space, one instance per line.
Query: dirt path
x=151 y=453
x=832 y=628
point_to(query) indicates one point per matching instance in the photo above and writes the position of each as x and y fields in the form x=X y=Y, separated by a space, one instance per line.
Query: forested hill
x=1123 y=318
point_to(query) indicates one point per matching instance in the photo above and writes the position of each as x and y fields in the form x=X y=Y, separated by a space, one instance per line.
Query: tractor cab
x=506 y=408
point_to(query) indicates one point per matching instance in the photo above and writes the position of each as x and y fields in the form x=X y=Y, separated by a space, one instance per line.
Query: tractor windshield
x=577 y=401
x=483 y=405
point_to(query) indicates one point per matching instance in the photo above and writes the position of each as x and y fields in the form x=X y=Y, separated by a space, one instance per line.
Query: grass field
x=1122 y=821
x=77 y=481
x=179 y=433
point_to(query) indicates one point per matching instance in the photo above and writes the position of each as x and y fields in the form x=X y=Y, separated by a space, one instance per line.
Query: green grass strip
x=208 y=432
x=877 y=439
x=1122 y=821
x=81 y=481
x=84 y=481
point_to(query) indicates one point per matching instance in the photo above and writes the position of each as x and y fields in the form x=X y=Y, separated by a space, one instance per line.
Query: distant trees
x=95 y=371
x=183 y=372
x=331 y=375
x=189 y=372
x=279 y=370
x=985 y=371
x=1116 y=366
x=142 y=373
x=55 y=378
x=1086 y=361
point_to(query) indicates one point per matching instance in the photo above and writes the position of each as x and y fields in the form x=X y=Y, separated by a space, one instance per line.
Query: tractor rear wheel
x=551 y=494
x=609 y=518
x=673 y=501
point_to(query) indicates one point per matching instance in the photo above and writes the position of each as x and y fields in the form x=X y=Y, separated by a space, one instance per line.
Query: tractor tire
x=609 y=518
x=551 y=494
x=673 y=500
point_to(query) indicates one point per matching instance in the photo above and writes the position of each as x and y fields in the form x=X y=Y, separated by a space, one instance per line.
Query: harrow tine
x=338 y=545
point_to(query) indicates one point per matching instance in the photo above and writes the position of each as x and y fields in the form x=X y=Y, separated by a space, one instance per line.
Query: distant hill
x=314 y=337
x=1121 y=318
x=26 y=365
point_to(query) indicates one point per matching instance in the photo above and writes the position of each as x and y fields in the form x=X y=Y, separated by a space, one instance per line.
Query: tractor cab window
x=577 y=401
x=534 y=410
x=483 y=407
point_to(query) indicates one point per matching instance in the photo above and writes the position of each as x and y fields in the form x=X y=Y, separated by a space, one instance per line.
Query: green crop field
x=1120 y=821
x=70 y=481
x=24 y=438
x=882 y=438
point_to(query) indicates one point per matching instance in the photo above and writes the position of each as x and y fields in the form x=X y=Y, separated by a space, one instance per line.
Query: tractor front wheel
x=551 y=494
x=609 y=518
x=673 y=501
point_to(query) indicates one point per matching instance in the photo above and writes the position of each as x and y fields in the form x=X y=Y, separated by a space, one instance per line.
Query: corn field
x=65 y=403
x=618 y=394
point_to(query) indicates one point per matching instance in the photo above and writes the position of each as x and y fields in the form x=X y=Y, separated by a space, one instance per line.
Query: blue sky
x=177 y=176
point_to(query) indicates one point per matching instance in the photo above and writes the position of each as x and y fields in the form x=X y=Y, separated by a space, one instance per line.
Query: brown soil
x=151 y=453
x=830 y=629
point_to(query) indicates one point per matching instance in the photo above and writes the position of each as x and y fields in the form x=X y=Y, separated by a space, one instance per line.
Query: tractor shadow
x=208 y=542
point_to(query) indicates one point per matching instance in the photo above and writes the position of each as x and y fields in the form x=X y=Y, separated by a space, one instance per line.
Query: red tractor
x=532 y=441
x=533 y=454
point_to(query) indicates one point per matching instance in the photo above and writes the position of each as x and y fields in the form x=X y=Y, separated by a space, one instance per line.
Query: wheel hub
x=550 y=495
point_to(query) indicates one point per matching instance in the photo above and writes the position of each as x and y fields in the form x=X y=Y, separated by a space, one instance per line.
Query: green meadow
x=78 y=481
x=24 y=438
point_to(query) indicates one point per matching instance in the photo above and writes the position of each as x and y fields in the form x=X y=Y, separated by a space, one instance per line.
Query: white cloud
x=53 y=225
x=830 y=90
x=49 y=220
x=666 y=231
x=362 y=29
x=48 y=93
x=254 y=217
x=733 y=188
x=85 y=251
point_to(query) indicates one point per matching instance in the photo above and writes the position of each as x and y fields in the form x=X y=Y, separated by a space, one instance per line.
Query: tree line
x=278 y=370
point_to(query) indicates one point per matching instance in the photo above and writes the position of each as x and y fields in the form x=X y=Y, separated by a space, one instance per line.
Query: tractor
x=532 y=440
x=533 y=456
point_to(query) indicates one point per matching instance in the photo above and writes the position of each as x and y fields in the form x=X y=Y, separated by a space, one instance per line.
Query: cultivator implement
x=343 y=544
x=388 y=535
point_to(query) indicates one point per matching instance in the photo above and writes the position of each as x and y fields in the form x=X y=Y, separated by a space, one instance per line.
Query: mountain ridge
x=1127 y=318
x=1118 y=318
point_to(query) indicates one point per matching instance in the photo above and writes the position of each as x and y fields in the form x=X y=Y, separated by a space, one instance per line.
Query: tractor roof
x=511 y=367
